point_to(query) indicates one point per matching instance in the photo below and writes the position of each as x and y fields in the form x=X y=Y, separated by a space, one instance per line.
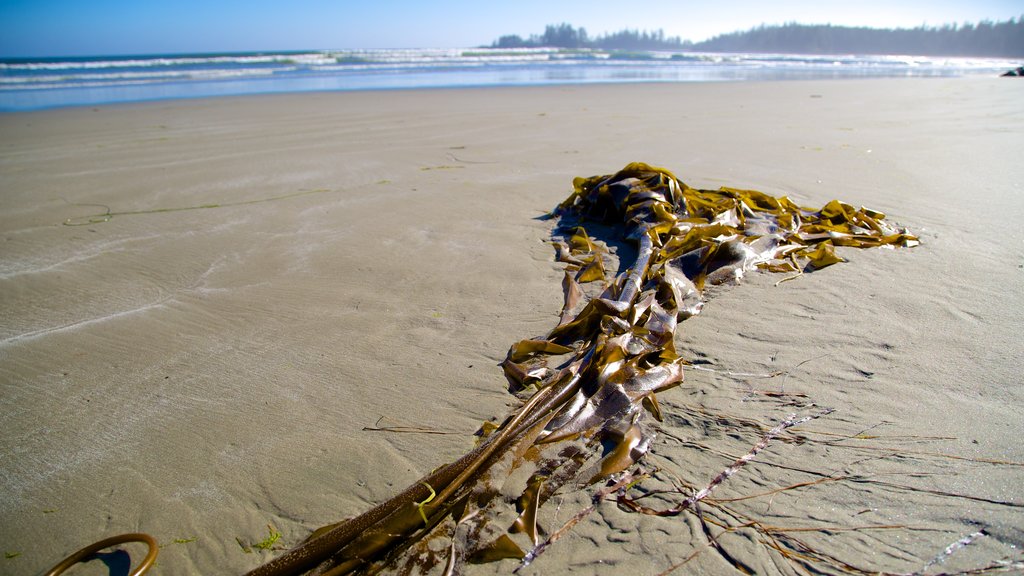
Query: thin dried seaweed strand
x=108 y=214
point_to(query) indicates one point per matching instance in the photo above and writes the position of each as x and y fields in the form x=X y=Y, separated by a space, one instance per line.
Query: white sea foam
x=156 y=62
x=92 y=79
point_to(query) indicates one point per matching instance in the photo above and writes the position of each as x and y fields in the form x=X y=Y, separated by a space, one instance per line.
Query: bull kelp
x=590 y=385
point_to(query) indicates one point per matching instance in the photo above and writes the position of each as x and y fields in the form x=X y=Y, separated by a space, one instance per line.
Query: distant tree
x=564 y=36
x=510 y=41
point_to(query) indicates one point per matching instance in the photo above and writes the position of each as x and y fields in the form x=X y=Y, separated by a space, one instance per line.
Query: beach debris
x=107 y=214
x=266 y=544
x=90 y=552
x=589 y=386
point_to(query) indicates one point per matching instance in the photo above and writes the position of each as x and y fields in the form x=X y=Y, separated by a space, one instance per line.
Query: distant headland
x=984 y=39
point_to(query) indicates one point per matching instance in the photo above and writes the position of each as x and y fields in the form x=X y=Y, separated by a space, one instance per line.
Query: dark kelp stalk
x=594 y=377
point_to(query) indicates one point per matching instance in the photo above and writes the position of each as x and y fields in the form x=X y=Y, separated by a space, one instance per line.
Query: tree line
x=565 y=36
x=993 y=39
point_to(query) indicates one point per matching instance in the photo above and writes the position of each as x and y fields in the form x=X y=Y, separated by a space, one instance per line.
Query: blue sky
x=110 y=27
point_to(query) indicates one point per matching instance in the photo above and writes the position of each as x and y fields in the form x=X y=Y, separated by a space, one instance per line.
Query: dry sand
x=198 y=374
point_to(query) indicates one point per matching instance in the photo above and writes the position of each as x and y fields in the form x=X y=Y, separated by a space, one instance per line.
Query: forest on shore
x=986 y=39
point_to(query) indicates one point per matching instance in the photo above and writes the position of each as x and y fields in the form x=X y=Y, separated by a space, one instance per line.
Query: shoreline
x=614 y=86
x=201 y=76
x=358 y=255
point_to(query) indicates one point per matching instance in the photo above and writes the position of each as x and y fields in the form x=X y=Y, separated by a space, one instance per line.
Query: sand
x=355 y=260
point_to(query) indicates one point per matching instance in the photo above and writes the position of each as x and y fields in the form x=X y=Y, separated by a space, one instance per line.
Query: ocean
x=30 y=84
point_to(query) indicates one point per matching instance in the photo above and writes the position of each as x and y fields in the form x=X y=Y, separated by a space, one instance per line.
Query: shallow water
x=47 y=83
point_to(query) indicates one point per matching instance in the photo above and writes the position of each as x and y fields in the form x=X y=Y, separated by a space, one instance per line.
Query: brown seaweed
x=596 y=374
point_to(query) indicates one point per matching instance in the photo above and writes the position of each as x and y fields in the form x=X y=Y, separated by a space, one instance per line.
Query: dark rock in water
x=1018 y=71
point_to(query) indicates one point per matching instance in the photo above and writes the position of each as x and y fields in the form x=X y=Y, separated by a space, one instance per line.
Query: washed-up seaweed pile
x=595 y=376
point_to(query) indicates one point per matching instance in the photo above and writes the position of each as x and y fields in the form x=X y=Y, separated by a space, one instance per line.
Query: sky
x=39 y=28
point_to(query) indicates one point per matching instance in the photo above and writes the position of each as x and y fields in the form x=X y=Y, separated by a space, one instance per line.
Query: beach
x=217 y=311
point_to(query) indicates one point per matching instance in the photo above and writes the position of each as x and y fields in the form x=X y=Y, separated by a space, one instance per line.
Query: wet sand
x=280 y=272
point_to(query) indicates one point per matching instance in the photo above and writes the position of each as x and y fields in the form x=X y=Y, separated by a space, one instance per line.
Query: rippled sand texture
x=366 y=259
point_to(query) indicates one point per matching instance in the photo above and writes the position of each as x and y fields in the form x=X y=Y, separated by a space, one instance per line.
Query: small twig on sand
x=406 y=429
x=952 y=549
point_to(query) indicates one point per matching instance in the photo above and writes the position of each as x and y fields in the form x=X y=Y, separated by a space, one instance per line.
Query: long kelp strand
x=596 y=373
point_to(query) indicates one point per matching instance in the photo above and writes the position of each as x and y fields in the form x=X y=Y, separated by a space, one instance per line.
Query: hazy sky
x=111 y=27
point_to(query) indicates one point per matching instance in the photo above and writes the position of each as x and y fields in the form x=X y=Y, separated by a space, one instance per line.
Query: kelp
x=595 y=376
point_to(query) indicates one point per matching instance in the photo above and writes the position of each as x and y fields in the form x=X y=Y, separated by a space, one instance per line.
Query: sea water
x=27 y=84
